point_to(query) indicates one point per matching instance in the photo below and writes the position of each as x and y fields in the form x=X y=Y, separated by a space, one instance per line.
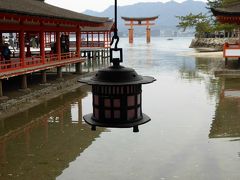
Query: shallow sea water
x=194 y=132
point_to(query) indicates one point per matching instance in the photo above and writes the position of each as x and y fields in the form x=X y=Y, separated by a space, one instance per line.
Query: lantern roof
x=39 y=8
x=117 y=76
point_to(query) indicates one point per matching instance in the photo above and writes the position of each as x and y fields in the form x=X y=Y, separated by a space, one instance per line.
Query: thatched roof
x=41 y=9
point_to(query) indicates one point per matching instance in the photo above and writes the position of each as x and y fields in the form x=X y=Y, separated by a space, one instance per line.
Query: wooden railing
x=12 y=64
x=95 y=44
x=231 y=50
x=34 y=61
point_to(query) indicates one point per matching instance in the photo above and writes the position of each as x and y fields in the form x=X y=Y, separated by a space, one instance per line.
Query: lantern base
x=88 y=119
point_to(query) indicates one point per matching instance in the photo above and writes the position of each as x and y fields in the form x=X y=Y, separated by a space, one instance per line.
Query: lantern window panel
x=131 y=114
x=116 y=103
x=107 y=114
x=117 y=114
x=131 y=101
x=107 y=103
x=96 y=100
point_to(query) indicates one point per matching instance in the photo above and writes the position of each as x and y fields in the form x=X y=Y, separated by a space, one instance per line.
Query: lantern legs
x=93 y=128
x=135 y=129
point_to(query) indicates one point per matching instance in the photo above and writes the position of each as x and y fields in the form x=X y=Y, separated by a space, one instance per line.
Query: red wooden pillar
x=22 y=48
x=130 y=30
x=50 y=39
x=148 y=33
x=28 y=53
x=92 y=40
x=104 y=39
x=58 y=45
x=78 y=65
x=98 y=39
x=54 y=37
x=130 y=35
x=78 y=43
x=1 y=90
x=110 y=38
x=42 y=46
x=1 y=40
x=87 y=39
x=45 y=37
x=107 y=38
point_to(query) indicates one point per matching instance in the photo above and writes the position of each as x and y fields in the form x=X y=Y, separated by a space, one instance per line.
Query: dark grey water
x=194 y=132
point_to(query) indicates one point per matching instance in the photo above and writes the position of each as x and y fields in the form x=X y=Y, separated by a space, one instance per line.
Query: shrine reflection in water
x=194 y=132
x=43 y=141
x=226 y=122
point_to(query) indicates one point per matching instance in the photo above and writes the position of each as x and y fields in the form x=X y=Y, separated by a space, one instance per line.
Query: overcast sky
x=96 y=5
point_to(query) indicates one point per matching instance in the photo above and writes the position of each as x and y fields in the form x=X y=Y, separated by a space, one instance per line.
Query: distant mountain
x=167 y=12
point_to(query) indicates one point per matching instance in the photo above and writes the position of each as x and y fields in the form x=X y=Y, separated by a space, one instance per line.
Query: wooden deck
x=14 y=67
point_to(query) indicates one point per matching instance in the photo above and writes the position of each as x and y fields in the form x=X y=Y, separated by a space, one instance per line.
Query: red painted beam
x=37 y=28
x=17 y=17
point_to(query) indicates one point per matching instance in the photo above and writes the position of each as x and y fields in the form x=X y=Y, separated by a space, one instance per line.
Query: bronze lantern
x=117 y=94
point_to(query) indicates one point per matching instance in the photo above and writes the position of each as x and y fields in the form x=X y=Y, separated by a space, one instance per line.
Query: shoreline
x=19 y=104
x=216 y=54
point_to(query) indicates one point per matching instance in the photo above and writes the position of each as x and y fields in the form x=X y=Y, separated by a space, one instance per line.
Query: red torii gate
x=140 y=21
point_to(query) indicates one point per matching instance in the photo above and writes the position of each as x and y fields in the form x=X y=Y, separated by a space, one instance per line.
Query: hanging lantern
x=117 y=94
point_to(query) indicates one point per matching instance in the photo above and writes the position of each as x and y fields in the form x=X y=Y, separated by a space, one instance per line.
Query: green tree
x=200 y=22
x=206 y=23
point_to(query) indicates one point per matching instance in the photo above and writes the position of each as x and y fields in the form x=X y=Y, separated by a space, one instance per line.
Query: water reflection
x=90 y=65
x=43 y=141
x=179 y=142
x=226 y=122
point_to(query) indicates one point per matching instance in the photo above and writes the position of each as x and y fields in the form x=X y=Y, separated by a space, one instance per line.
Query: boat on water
x=169 y=39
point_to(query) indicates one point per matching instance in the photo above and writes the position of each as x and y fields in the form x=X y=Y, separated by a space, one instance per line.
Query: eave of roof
x=231 y=10
x=107 y=26
x=42 y=9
